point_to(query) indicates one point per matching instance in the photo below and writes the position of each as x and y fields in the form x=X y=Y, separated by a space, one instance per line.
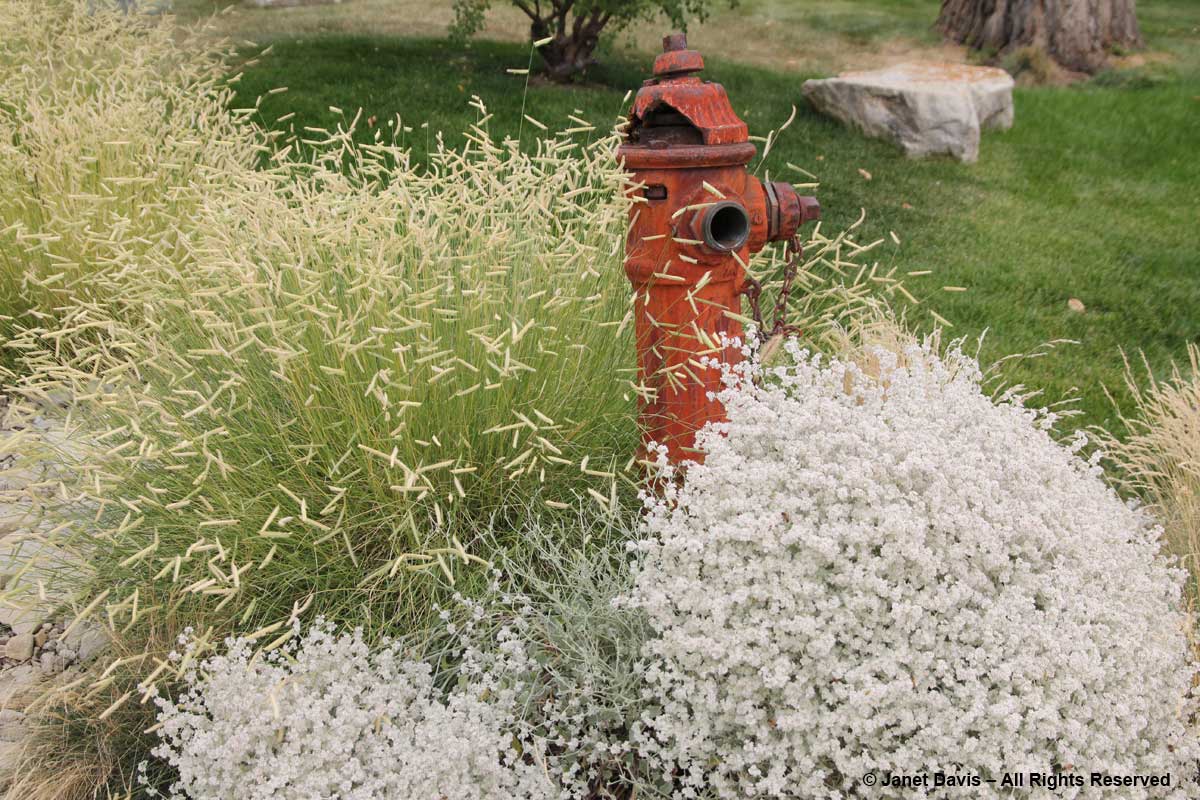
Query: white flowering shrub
x=899 y=575
x=547 y=676
x=329 y=718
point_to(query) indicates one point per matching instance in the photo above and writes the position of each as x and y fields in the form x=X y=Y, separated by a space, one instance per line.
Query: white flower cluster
x=899 y=575
x=333 y=720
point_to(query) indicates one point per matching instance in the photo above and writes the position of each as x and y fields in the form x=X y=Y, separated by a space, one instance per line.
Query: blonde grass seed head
x=1159 y=456
x=112 y=128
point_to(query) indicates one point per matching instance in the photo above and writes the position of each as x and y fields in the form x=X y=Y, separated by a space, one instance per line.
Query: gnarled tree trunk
x=574 y=42
x=1077 y=34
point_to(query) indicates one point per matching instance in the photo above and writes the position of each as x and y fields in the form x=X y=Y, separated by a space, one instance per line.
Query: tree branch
x=563 y=10
x=598 y=21
x=525 y=7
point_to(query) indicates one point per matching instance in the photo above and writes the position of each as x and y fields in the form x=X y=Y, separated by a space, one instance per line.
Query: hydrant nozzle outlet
x=697 y=218
x=725 y=226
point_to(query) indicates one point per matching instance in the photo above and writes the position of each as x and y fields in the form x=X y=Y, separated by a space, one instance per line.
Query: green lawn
x=804 y=35
x=1095 y=193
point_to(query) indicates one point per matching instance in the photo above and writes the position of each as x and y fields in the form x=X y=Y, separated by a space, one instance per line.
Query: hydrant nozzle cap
x=676 y=59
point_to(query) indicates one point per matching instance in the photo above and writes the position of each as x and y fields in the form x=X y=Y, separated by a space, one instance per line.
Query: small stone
x=41 y=637
x=86 y=641
x=52 y=663
x=865 y=175
x=68 y=655
x=1076 y=305
x=58 y=397
x=20 y=647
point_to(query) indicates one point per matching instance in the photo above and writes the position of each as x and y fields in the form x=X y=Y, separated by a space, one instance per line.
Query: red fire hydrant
x=697 y=218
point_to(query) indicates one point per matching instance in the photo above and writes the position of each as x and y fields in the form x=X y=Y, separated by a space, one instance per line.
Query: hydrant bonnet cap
x=675 y=89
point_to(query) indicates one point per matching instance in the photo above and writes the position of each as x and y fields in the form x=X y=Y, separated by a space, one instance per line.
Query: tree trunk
x=1077 y=34
x=571 y=51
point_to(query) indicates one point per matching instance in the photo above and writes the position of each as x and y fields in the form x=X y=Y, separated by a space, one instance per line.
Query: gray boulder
x=927 y=108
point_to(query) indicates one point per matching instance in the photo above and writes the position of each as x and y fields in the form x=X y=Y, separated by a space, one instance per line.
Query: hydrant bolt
x=697 y=218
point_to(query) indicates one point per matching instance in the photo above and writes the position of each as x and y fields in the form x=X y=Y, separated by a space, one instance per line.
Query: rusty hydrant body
x=697 y=218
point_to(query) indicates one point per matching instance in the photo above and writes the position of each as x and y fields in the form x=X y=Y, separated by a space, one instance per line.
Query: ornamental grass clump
x=1159 y=457
x=113 y=126
x=582 y=697
x=912 y=579
x=343 y=373
x=343 y=392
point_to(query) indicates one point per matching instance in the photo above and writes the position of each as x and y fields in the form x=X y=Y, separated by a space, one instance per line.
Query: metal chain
x=754 y=291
